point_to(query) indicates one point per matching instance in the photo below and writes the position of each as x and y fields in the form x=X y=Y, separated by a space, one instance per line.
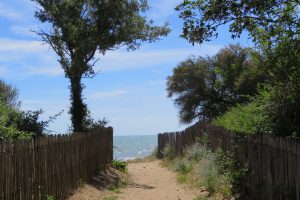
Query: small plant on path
x=120 y=165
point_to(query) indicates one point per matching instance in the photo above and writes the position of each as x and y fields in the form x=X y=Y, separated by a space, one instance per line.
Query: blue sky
x=130 y=88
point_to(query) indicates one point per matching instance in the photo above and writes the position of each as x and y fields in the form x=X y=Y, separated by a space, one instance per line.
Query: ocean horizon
x=128 y=147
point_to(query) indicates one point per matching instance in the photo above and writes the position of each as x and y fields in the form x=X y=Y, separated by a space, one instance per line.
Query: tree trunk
x=78 y=108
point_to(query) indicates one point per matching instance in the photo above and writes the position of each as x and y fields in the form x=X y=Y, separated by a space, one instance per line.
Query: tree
x=9 y=94
x=8 y=127
x=274 y=26
x=270 y=19
x=17 y=124
x=206 y=87
x=80 y=29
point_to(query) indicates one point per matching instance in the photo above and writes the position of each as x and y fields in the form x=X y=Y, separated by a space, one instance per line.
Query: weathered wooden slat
x=52 y=165
x=273 y=163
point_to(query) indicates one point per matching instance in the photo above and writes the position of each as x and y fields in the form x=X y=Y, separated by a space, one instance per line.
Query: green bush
x=8 y=124
x=207 y=174
x=182 y=166
x=120 y=165
x=154 y=152
x=169 y=152
x=182 y=178
x=275 y=111
x=196 y=152
x=247 y=119
x=206 y=168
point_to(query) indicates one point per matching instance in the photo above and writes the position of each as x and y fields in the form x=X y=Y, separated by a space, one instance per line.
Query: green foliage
x=283 y=88
x=154 y=152
x=169 y=152
x=8 y=124
x=91 y=125
x=110 y=198
x=49 y=197
x=235 y=171
x=78 y=30
x=183 y=166
x=182 y=178
x=120 y=165
x=206 y=87
x=207 y=173
x=246 y=119
x=274 y=28
x=30 y=122
x=16 y=124
x=196 y=152
x=203 y=168
x=262 y=19
x=275 y=111
x=9 y=95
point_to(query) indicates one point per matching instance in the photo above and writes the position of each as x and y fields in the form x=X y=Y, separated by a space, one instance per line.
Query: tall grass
x=200 y=167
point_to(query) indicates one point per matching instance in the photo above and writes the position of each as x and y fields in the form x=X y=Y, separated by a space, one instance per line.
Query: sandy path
x=148 y=181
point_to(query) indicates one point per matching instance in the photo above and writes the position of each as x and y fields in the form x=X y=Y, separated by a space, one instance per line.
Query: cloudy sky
x=130 y=88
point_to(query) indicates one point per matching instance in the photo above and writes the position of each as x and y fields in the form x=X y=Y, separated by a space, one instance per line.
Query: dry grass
x=145 y=159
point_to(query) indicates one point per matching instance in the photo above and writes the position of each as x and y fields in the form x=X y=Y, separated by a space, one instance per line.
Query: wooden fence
x=52 y=166
x=273 y=163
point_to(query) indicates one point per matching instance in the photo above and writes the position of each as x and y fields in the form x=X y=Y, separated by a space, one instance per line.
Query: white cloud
x=47 y=71
x=162 y=9
x=35 y=58
x=123 y=60
x=28 y=58
x=8 y=12
x=101 y=95
x=21 y=46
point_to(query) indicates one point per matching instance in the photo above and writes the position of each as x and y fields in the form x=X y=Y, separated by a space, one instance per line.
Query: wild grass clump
x=182 y=166
x=154 y=152
x=201 y=167
x=196 y=152
x=169 y=152
x=207 y=173
x=120 y=165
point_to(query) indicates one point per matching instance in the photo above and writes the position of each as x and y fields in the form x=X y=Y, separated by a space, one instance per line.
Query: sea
x=131 y=147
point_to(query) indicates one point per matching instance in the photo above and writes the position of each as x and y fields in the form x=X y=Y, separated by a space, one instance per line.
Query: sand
x=148 y=181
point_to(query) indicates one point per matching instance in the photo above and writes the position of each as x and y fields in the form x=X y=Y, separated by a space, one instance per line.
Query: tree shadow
x=136 y=185
x=107 y=179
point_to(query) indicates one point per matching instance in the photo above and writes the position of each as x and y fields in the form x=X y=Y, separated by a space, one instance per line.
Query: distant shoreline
x=134 y=135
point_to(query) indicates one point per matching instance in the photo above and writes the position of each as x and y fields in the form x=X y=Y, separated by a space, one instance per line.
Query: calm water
x=130 y=147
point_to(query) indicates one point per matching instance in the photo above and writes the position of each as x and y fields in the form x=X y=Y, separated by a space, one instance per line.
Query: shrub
x=154 y=152
x=92 y=125
x=195 y=152
x=275 y=111
x=247 y=119
x=120 y=165
x=207 y=169
x=8 y=126
x=207 y=174
x=169 y=152
x=182 y=178
x=182 y=166
x=204 y=168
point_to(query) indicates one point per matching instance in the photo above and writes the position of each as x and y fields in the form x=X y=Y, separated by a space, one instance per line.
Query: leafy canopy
x=206 y=87
x=9 y=94
x=80 y=29
x=270 y=19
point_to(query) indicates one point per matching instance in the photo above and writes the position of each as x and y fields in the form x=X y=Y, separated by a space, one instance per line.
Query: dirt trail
x=148 y=181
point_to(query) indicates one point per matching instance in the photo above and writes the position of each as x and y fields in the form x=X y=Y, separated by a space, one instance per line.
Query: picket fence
x=52 y=167
x=273 y=163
